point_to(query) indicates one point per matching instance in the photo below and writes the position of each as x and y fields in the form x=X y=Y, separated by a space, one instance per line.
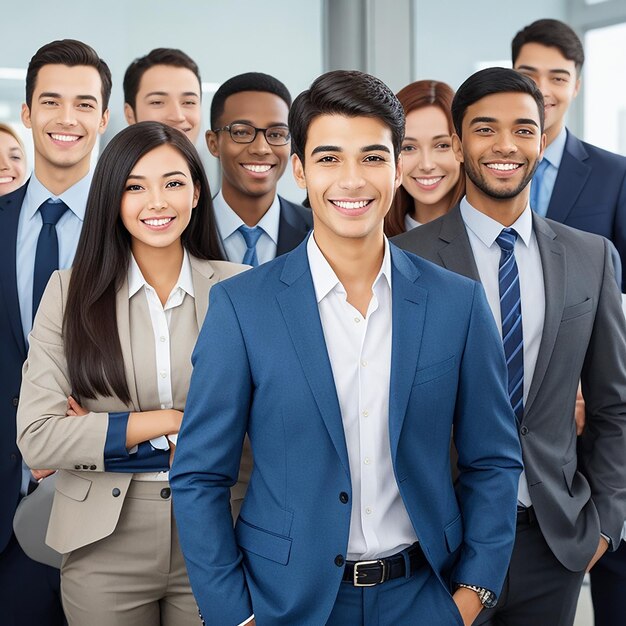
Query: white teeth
x=503 y=167
x=67 y=138
x=258 y=169
x=351 y=205
x=6 y=179
x=158 y=222
x=429 y=181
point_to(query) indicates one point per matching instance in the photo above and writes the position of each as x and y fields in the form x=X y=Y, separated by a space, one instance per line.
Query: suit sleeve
x=603 y=378
x=207 y=462
x=619 y=232
x=489 y=455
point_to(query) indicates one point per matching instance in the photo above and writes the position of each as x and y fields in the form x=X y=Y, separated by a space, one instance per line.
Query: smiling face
x=158 y=199
x=501 y=147
x=557 y=78
x=170 y=95
x=250 y=170
x=350 y=176
x=430 y=170
x=66 y=118
x=12 y=164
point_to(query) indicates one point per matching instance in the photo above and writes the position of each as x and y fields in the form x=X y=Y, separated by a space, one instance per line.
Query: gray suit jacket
x=576 y=495
x=85 y=508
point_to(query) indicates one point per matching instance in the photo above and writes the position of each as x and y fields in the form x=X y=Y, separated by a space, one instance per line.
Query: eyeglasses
x=246 y=133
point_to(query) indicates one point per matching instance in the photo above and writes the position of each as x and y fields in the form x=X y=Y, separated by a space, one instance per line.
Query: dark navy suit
x=28 y=590
x=295 y=222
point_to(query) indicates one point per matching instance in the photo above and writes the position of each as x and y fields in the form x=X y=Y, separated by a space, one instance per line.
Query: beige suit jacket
x=88 y=500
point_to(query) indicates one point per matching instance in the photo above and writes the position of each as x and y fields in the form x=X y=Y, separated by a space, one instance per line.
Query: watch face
x=488 y=599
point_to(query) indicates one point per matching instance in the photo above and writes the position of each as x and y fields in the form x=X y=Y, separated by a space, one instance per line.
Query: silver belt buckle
x=356 y=574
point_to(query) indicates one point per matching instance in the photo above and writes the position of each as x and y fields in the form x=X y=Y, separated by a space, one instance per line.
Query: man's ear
x=211 y=143
x=129 y=114
x=577 y=88
x=457 y=148
x=399 y=167
x=104 y=122
x=298 y=171
x=25 y=115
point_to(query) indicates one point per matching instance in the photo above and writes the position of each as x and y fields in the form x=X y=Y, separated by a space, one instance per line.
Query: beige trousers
x=137 y=575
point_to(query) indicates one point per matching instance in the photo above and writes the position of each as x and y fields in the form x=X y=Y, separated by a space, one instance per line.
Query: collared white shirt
x=161 y=317
x=553 y=155
x=359 y=349
x=482 y=232
x=28 y=228
x=234 y=244
x=410 y=223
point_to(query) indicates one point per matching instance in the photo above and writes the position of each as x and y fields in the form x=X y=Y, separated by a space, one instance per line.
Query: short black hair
x=491 y=81
x=551 y=33
x=350 y=93
x=69 y=52
x=159 y=56
x=250 y=81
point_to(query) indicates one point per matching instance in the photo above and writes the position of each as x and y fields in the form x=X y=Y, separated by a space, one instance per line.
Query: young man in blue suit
x=250 y=137
x=67 y=94
x=576 y=183
x=367 y=358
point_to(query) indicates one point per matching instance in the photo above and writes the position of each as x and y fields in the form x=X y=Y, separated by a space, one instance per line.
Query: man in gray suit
x=553 y=294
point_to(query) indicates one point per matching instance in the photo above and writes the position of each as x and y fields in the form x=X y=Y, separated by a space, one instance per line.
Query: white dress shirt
x=359 y=349
x=234 y=244
x=161 y=317
x=482 y=232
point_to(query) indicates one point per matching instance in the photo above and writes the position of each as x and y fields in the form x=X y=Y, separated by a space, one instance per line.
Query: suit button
x=14 y=457
x=343 y=497
x=85 y=466
x=76 y=466
x=15 y=401
x=165 y=493
x=523 y=430
x=92 y=467
x=116 y=492
x=339 y=561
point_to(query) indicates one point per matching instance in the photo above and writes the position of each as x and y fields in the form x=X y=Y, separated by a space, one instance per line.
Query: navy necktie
x=511 y=311
x=47 y=254
x=537 y=202
x=251 y=236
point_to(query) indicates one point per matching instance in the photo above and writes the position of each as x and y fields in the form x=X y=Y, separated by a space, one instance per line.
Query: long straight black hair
x=92 y=345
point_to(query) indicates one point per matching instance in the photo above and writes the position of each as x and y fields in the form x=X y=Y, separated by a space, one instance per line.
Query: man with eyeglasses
x=250 y=137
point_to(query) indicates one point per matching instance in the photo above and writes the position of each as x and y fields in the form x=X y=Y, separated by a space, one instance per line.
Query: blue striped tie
x=251 y=236
x=511 y=311
x=537 y=200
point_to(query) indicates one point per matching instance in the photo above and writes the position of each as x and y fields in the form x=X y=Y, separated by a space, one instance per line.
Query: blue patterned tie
x=536 y=201
x=251 y=235
x=511 y=311
x=47 y=254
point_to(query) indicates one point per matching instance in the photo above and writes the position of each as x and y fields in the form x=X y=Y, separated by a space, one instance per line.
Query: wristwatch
x=487 y=598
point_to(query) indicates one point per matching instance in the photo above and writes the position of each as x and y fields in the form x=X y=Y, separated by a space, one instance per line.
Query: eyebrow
x=493 y=120
x=166 y=93
x=434 y=137
x=556 y=70
x=50 y=94
x=374 y=146
x=251 y=123
x=175 y=173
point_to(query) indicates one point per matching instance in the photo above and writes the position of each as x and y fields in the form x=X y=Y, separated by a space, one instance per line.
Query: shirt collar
x=554 y=152
x=488 y=229
x=75 y=197
x=324 y=277
x=228 y=221
x=136 y=280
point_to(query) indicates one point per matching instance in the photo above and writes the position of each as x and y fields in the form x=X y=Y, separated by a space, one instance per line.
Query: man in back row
x=251 y=139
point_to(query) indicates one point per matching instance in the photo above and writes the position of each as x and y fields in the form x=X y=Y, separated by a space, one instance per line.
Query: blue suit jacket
x=590 y=193
x=13 y=357
x=261 y=367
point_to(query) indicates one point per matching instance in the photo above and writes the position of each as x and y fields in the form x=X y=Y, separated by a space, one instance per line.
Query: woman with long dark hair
x=107 y=375
x=432 y=181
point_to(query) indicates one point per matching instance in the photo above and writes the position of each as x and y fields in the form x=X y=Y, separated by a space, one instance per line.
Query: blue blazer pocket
x=576 y=310
x=73 y=486
x=262 y=542
x=453 y=533
x=430 y=372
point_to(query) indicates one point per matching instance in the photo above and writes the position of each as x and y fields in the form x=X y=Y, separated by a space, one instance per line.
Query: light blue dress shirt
x=228 y=223
x=28 y=229
x=553 y=154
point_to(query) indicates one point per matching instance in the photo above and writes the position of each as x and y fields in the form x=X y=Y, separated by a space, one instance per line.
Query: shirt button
x=77 y=467
x=163 y=374
x=165 y=493
x=116 y=492
x=92 y=467
x=163 y=406
x=364 y=363
x=343 y=497
x=339 y=560
x=162 y=338
x=365 y=413
x=357 y=319
x=368 y=510
x=367 y=460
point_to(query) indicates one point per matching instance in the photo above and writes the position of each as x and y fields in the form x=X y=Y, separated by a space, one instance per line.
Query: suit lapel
x=10 y=207
x=203 y=277
x=570 y=180
x=123 y=329
x=456 y=253
x=299 y=307
x=408 y=315
x=552 y=255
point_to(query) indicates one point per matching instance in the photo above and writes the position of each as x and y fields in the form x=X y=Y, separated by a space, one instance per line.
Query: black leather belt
x=370 y=573
x=526 y=516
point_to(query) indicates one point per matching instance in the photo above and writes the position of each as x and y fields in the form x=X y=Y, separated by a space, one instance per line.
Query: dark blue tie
x=251 y=236
x=511 y=311
x=47 y=255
